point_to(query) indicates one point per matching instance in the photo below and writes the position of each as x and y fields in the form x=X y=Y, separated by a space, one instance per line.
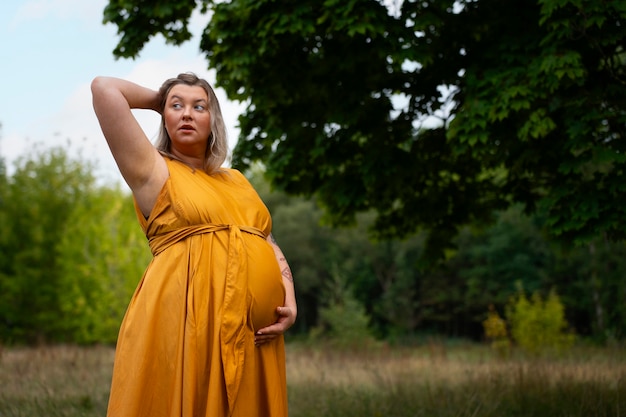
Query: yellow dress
x=186 y=344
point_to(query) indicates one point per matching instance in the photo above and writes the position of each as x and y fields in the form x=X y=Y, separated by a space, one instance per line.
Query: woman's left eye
x=199 y=107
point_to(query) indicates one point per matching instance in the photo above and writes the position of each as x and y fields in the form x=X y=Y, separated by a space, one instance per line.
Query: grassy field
x=429 y=380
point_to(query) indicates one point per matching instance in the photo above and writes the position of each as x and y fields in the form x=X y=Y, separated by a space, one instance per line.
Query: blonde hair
x=217 y=144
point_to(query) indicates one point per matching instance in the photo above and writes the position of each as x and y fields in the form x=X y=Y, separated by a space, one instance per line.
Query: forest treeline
x=72 y=252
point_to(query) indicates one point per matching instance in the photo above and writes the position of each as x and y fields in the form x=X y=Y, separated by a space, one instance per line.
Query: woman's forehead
x=188 y=92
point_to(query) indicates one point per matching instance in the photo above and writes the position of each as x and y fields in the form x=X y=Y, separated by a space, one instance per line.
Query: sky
x=50 y=52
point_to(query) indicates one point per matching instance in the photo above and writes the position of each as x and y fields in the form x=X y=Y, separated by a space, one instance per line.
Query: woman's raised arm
x=139 y=162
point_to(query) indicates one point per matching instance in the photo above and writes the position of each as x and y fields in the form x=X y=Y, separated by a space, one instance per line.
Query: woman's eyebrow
x=177 y=97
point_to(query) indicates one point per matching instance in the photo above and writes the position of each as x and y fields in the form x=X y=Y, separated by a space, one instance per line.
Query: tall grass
x=58 y=381
x=464 y=381
x=430 y=380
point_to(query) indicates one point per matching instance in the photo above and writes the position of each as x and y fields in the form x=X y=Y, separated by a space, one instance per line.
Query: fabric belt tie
x=234 y=309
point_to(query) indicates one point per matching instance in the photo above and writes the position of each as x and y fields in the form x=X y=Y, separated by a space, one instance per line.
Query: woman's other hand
x=286 y=319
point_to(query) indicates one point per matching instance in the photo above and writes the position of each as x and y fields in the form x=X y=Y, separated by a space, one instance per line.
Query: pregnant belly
x=265 y=284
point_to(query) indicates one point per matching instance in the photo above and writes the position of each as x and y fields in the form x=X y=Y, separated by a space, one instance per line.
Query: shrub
x=343 y=320
x=495 y=331
x=538 y=325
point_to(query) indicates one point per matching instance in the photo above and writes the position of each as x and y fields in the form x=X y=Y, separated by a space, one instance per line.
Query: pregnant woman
x=203 y=333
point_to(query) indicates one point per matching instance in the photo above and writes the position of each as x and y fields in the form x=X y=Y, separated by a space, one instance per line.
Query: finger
x=276 y=328
x=264 y=338
x=284 y=311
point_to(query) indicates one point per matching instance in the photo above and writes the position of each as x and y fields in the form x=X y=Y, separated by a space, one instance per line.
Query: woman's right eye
x=176 y=106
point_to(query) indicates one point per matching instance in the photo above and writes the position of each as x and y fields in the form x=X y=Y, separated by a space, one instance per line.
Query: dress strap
x=234 y=321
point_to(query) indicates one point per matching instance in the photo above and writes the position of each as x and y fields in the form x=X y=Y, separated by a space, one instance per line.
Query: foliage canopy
x=530 y=99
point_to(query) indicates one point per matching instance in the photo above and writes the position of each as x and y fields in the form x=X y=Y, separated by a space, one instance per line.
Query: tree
x=381 y=276
x=343 y=320
x=71 y=252
x=530 y=97
x=590 y=282
x=37 y=201
x=102 y=255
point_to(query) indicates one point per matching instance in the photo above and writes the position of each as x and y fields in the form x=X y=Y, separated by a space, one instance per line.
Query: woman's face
x=187 y=120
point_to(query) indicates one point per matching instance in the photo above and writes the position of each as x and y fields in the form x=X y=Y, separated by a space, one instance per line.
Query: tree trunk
x=595 y=292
